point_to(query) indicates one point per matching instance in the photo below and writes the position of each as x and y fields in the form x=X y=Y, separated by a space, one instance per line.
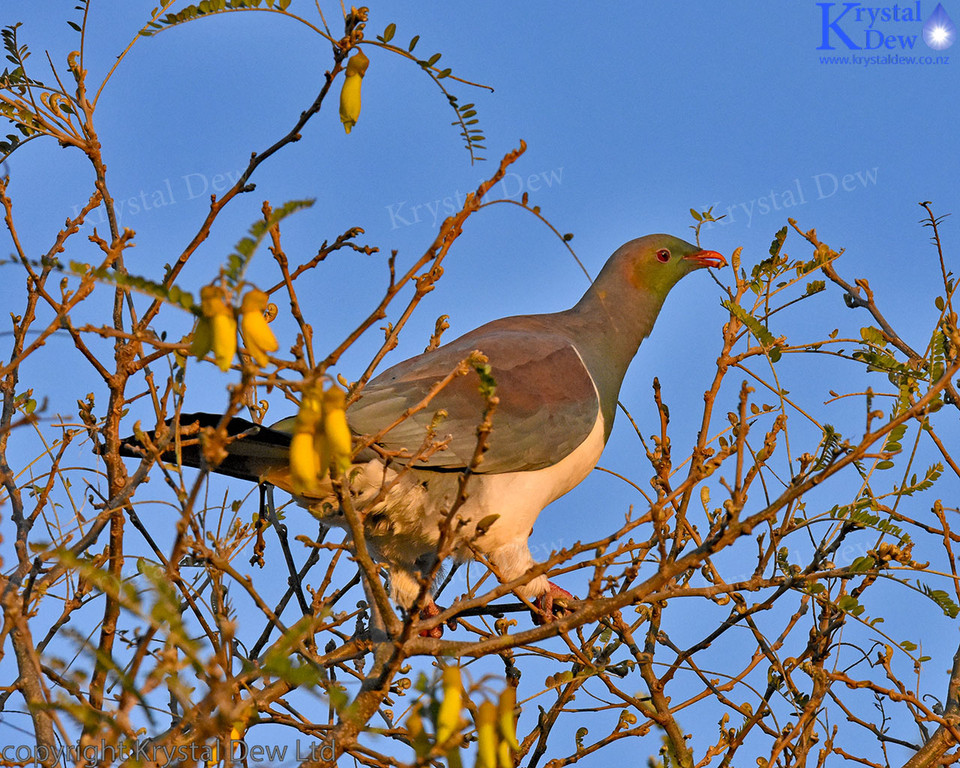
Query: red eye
x=663 y=255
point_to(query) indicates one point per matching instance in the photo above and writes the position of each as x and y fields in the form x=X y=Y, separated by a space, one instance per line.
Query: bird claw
x=547 y=609
x=428 y=612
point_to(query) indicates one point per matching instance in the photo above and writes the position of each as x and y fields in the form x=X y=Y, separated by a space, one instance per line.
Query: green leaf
x=172 y=295
x=908 y=646
x=777 y=243
x=831 y=447
x=873 y=335
x=763 y=335
x=488 y=385
x=941 y=598
x=696 y=215
x=849 y=604
x=862 y=564
x=245 y=248
x=413 y=43
x=389 y=32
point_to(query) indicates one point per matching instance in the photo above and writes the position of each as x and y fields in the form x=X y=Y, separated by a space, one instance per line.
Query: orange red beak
x=707 y=259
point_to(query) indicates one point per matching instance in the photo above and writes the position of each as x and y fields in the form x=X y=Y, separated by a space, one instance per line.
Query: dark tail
x=255 y=451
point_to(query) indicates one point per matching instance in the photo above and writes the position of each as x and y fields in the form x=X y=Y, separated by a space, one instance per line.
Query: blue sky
x=633 y=113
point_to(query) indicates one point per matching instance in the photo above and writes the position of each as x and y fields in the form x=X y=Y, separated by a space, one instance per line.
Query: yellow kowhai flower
x=253 y=325
x=350 y=92
x=305 y=464
x=448 y=716
x=488 y=740
x=507 y=725
x=216 y=329
x=321 y=437
x=336 y=431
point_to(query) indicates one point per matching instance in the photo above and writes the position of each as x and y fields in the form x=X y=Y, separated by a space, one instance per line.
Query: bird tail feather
x=252 y=452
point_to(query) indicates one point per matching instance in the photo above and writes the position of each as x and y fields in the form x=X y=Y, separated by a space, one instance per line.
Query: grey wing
x=548 y=403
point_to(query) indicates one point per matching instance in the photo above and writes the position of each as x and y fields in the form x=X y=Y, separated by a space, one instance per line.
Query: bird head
x=656 y=262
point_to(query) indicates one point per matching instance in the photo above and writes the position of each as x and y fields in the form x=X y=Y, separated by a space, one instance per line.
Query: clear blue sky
x=633 y=113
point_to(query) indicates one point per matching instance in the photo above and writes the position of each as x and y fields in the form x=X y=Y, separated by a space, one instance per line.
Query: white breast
x=403 y=525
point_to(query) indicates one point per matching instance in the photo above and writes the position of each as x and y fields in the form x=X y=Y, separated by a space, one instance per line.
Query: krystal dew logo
x=860 y=27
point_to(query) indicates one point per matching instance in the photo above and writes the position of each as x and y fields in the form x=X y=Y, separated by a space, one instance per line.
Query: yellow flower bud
x=256 y=332
x=350 y=92
x=216 y=329
x=448 y=718
x=487 y=737
x=507 y=721
x=336 y=429
x=224 y=340
x=505 y=756
x=211 y=301
x=304 y=462
x=322 y=446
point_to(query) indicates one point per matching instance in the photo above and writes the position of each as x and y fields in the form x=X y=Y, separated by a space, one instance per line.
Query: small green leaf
x=413 y=43
x=941 y=598
x=873 y=336
x=389 y=32
x=777 y=243
x=763 y=335
x=849 y=604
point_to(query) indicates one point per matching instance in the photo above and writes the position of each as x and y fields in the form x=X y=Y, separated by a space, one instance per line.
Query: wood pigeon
x=558 y=379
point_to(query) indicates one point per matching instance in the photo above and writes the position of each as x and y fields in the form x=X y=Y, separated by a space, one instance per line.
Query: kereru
x=558 y=379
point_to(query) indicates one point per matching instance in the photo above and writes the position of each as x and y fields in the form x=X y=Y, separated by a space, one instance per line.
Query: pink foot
x=545 y=612
x=429 y=611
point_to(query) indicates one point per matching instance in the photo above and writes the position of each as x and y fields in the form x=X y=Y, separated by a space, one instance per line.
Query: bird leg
x=428 y=612
x=546 y=610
